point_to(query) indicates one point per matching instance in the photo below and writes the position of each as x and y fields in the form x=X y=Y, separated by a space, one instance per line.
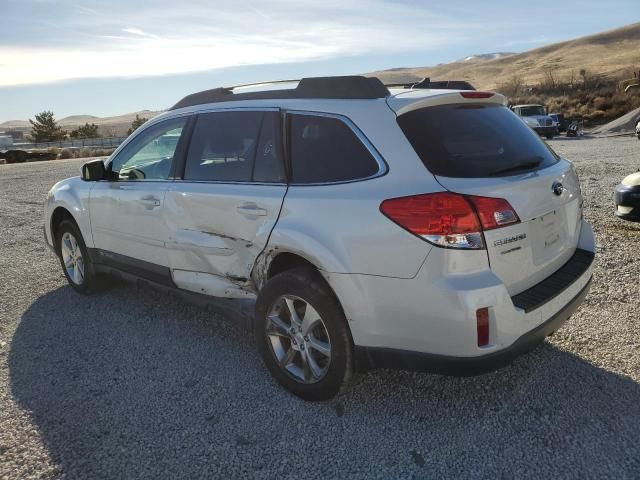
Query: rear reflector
x=477 y=94
x=449 y=219
x=482 y=318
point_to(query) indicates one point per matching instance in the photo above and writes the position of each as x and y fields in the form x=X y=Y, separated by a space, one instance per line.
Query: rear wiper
x=517 y=167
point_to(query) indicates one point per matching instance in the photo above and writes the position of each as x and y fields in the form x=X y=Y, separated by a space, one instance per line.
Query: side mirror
x=93 y=171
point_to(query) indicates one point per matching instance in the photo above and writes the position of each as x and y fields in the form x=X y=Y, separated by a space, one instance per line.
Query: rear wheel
x=302 y=335
x=549 y=136
x=74 y=258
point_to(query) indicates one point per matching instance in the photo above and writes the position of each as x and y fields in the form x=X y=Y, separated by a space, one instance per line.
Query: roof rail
x=346 y=87
x=437 y=85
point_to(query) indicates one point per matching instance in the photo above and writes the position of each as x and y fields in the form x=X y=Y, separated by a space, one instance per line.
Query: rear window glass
x=474 y=141
x=325 y=149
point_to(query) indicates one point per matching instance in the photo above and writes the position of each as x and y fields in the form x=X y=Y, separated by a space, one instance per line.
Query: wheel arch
x=59 y=215
x=279 y=261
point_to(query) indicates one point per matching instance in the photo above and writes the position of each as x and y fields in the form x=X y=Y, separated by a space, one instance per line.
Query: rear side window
x=474 y=141
x=236 y=147
x=325 y=149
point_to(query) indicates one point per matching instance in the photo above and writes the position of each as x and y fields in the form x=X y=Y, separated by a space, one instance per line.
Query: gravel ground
x=134 y=384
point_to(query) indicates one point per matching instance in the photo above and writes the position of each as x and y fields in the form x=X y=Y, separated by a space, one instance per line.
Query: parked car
x=372 y=229
x=559 y=121
x=627 y=198
x=638 y=129
x=536 y=117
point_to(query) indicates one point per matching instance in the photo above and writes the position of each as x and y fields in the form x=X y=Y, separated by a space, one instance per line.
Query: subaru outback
x=370 y=228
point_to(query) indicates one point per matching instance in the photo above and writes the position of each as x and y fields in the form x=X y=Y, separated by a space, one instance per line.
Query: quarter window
x=325 y=149
x=236 y=147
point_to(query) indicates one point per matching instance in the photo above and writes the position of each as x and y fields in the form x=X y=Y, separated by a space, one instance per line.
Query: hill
x=77 y=120
x=612 y=54
x=108 y=126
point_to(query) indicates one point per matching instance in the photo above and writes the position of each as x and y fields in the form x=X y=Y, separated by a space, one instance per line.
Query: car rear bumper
x=430 y=322
x=375 y=357
x=627 y=200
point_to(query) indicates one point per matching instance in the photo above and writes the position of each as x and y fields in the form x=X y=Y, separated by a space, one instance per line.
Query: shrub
x=64 y=154
x=84 y=152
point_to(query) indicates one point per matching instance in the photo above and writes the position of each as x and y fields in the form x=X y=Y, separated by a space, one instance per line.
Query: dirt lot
x=133 y=384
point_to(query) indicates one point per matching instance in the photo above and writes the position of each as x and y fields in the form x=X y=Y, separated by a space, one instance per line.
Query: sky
x=112 y=57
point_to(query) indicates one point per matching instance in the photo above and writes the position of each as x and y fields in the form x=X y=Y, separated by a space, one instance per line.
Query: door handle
x=251 y=209
x=150 y=201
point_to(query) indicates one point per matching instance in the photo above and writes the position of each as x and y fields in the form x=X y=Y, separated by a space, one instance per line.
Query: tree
x=45 y=128
x=137 y=123
x=86 y=131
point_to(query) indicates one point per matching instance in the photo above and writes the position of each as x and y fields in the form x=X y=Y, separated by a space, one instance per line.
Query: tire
x=549 y=136
x=303 y=366
x=80 y=272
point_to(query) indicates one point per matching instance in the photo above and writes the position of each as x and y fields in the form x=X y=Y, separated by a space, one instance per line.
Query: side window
x=223 y=146
x=325 y=149
x=150 y=154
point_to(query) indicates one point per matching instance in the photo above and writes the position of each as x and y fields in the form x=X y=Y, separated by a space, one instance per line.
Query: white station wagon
x=402 y=227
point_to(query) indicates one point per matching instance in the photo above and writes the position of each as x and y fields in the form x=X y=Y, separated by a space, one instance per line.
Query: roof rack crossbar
x=345 y=87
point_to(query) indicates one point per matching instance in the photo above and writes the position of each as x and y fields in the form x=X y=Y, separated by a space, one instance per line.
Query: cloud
x=137 y=31
x=192 y=38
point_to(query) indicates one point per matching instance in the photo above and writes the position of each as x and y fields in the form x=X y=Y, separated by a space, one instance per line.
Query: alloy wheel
x=299 y=339
x=72 y=258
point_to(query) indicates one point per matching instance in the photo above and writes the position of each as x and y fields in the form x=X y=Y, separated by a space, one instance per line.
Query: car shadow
x=132 y=383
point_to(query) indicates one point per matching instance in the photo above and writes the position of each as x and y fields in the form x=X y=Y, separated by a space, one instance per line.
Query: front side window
x=325 y=149
x=236 y=147
x=150 y=154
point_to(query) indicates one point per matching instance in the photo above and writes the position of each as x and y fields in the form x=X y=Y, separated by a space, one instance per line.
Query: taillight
x=494 y=212
x=449 y=219
x=474 y=94
x=482 y=320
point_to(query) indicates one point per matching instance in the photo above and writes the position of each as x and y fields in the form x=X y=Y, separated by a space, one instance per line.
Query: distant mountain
x=77 y=120
x=109 y=126
x=613 y=53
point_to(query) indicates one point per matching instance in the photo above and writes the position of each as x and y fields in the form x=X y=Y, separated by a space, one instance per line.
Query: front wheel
x=74 y=258
x=302 y=335
x=549 y=136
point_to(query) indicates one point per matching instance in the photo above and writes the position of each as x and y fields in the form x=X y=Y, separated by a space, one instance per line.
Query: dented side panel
x=217 y=230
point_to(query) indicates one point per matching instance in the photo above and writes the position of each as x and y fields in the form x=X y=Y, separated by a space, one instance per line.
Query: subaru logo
x=557 y=188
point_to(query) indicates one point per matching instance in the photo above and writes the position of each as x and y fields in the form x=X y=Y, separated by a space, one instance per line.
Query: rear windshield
x=474 y=141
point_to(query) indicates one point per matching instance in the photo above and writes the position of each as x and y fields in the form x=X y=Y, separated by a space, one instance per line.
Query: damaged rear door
x=221 y=213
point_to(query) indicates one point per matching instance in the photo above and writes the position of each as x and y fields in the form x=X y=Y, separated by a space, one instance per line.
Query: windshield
x=482 y=140
x=532 y=111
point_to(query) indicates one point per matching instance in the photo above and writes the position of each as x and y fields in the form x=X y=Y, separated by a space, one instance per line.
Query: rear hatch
x=485 y=150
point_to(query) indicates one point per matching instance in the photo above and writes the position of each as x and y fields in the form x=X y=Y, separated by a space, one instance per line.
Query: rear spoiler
x=404 y=103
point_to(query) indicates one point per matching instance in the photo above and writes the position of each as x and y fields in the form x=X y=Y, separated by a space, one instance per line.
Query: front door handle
x=251 y=209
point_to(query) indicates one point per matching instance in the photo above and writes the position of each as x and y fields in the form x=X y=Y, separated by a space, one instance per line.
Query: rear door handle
x=251 y=209
x=150 y=201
